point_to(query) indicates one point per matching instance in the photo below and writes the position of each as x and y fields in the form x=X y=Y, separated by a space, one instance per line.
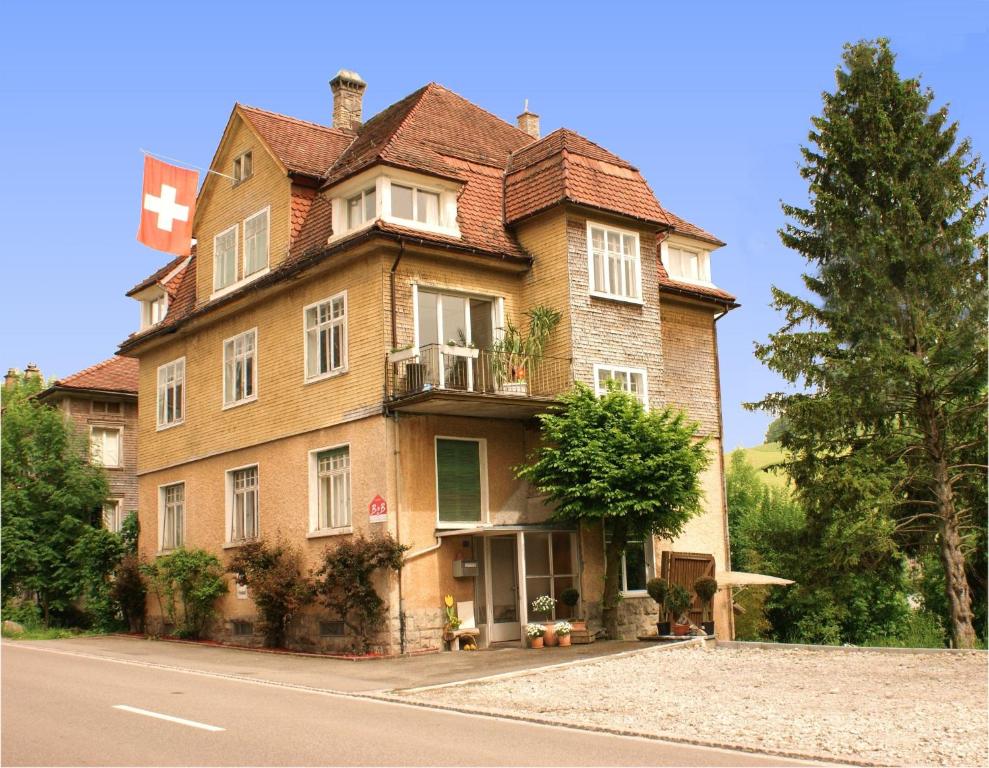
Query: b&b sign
x=378 y=510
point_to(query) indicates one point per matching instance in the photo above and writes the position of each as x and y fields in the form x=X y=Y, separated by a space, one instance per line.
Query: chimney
x=32 y=371
x=348 y=95
x=528 y=121
x=11 y=378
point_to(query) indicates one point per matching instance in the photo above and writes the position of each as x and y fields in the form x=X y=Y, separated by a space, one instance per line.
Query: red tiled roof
x=118 y=374
x=301 y=146
x=302 y=200
x=686 y=228
x=566 y=167
x=158 y=275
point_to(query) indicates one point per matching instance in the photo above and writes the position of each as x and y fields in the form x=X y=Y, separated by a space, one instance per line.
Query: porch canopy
x=743 y=579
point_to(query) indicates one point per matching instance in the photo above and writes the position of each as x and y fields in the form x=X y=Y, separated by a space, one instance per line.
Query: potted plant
x=544 y=604
x=570 y=597
x=706 y=588
x=562 y=629
x=678 y=601
x=659 y=590
x=535 y=634
x=516 y=352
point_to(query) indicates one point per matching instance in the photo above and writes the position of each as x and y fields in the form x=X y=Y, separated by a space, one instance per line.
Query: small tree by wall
x=608 y=459
x=190 y=579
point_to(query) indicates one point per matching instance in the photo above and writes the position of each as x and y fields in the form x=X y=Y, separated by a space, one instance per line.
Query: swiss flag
x=168 y=203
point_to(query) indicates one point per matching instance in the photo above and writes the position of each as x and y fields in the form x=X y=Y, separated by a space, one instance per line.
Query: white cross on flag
x=168 y=202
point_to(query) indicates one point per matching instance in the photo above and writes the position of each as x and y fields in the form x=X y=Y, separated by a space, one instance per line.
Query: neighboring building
x=102 y=403
x=326 y=354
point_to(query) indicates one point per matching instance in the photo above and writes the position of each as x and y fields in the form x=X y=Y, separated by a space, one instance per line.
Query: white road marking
x=169 y=718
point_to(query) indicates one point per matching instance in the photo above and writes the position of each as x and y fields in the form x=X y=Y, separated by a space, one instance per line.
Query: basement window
x=242 y=628
x=332 y=629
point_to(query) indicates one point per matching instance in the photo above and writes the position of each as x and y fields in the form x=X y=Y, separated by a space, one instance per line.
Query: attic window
x=415 y=204
x=361 y=208
x=684 y=264
x=243 y=167
x=153 y=310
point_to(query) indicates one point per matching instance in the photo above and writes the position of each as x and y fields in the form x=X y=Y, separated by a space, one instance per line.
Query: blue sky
x=711 y=101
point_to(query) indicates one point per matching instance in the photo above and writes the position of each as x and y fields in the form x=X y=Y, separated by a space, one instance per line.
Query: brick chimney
x=528 y=121
x=348 y=96
x=32 y=371
x=11 y=378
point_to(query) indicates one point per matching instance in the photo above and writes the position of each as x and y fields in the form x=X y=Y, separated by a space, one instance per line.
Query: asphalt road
x=65 y=709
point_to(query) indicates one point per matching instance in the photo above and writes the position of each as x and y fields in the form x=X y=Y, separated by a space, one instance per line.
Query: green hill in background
x=762 y=456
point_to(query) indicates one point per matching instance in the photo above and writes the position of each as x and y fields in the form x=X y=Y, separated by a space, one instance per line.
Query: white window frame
x=613 y=369
x=231 y=493
x=703 y=263
x=344 y=337
x=648 y=555
x=217 y=288
x=160 y=392
x=254 y=370
x=118 y=516
x=315 y=530
x=120 y=445
x=154 y=310
x=163 y=514
x=606 y=291
x=416 y=189
x=482 y=455
x=365 y=221
x=266 y=212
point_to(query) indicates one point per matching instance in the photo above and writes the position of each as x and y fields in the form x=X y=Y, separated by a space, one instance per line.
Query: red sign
x=378 y=510
x=168 y=202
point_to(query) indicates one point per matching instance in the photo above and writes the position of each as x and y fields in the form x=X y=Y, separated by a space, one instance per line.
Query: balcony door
x=457 y=319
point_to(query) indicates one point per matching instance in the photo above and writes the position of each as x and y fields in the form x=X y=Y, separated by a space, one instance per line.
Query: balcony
x=463 y=381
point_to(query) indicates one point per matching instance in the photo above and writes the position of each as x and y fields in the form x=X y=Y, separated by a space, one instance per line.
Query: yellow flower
x=448 y=601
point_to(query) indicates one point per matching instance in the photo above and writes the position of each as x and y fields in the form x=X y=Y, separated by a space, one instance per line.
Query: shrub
x=194 y=578
x=659 y=590
x=129 y=591
x=96 y=554
x=279 y=590
x=706 y=588
x=345 y=582
x=678 y=601
x=570 y=597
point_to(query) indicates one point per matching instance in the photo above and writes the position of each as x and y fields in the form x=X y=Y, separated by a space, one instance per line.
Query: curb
x=743 y=644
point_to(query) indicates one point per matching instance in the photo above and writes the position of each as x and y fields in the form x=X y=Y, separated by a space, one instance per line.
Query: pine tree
x=887 y=442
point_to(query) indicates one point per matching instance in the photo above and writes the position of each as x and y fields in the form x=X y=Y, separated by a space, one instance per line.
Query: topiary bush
x=659 y=590
x=706 y=588
x=678 y=601
x=273 y=574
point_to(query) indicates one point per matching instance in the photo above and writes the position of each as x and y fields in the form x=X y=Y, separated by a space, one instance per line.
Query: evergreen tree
x=50 y=493
x=607 y=459
x=887 y=443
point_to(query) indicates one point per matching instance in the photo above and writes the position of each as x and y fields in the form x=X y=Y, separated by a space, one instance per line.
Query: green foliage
x=706 y=588
x=516 y=350
x=921 y=630
x=96 y=555
x=570 y=597
x=129 y=591
x=50 y=493
x=678 y=600
x=608 y=460
x=886 y=443
x=345 y=582
x=273 y=574
x=130 y=530
x=658 y=590
x=190 y=579
x=776 y=430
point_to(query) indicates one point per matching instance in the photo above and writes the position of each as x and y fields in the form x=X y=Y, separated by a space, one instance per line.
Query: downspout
x=397 y=453
x=721 y=461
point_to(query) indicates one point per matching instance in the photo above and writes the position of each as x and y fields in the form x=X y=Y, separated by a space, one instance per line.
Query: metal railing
x=486 y=371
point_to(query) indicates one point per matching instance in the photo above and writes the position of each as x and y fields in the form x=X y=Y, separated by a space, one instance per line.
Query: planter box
x=403 y=354
x=457 y=351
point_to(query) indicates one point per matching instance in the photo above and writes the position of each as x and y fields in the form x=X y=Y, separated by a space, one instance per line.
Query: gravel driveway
x=886 y=708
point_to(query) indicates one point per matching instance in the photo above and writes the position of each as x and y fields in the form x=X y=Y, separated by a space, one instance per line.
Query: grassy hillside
x=762 y=456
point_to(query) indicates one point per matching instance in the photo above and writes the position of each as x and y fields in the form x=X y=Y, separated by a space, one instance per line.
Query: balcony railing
x=450 y=368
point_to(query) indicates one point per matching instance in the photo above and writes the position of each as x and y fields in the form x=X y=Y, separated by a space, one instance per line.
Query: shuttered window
x=458 y=480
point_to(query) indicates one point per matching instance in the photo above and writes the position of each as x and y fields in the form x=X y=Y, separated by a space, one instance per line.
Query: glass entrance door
x=502 y=578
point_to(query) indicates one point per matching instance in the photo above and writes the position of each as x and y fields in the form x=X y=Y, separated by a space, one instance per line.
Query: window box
x=400 y=355
x=458 y=351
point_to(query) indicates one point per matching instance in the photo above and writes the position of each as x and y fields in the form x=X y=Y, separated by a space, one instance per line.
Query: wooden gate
x=685 y=568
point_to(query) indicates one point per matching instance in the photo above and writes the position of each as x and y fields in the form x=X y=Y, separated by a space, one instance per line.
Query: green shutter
x=458 y=470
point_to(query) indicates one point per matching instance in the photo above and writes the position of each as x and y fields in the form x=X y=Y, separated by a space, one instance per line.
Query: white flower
x=563 y=628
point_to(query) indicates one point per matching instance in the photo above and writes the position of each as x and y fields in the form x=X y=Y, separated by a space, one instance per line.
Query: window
x=632 y=380
x=171 y=393
x=256 y=242
x=549 y=569
x=154 y=310
x=172 y=515
x=460 y=492
x=326 y=337
x=685 y=264
x=636 y=565
x=331 y=629
x=333 y=488
x=242 y=487
x=112 y=518
x=415 y=204
x=105 y=446
x=225 y=258
x=613 y=262
x=243 y=167
x=361 y=209
x=104 y=408
x=240 y=368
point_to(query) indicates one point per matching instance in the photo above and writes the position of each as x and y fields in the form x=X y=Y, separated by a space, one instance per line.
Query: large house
x=325 y=363
x=101 y=402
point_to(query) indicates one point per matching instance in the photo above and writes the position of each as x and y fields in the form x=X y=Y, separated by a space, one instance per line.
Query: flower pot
x=535 y=642
x=663 y=627
x=708 y=627
x=579 y=625
x=681 y=629
x=550 y=637
x=564 y=640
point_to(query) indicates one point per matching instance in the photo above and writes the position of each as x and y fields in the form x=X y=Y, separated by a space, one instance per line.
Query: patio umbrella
x=743 y=579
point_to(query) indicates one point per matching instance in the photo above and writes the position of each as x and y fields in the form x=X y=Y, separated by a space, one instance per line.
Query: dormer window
x=687 y=264
x=415 y=204
x=361 y=209
x=243 y=167
x=153 y=310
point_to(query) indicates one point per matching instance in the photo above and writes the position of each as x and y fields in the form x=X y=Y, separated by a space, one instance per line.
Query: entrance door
x=503 y=578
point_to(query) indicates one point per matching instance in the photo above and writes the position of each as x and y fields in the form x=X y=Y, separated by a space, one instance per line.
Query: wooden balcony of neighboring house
x=464 y=381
